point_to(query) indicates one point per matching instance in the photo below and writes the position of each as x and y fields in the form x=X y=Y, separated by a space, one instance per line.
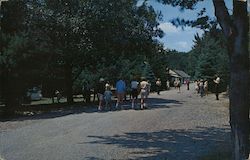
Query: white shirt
x=144 y=85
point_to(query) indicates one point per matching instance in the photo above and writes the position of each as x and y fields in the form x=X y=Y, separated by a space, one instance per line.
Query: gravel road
x=177 y=126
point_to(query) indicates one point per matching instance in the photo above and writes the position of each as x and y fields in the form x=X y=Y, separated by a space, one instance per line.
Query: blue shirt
x=120 y=86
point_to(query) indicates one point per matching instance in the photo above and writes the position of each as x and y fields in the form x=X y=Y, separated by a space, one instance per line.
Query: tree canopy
x=58 y=41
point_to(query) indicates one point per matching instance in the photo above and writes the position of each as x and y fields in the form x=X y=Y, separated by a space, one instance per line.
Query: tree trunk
x=69 y=83
x=236 y=31
x=10 y=94
x=239 y=92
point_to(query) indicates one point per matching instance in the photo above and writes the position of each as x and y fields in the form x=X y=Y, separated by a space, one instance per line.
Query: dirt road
x=177 y=126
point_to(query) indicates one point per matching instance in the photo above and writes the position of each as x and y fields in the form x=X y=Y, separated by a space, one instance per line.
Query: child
x=107 y=97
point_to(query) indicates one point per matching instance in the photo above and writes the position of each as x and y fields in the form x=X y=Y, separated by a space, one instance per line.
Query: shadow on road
x=163 y=103
x=170 y=144
x=44 y=112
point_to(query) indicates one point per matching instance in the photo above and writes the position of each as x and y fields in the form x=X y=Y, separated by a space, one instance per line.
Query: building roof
x=173 y=74
x=182 y=73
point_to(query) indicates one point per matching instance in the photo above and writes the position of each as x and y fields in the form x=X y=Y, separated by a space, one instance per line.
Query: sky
x=176 y=38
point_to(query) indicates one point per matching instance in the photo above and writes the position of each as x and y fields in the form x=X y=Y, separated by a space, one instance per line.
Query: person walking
x=144 y=92
x=168 y=85
x=134 y=92
x=187 y=83
x=178 y=84
x=120 y=92
x=100 y=89
x=217 y=82
x=108 y=97
x=197 y=86
x=175 y=83
x=206 y=87
x=158 y=86
x=86 y=92
x=201 y=87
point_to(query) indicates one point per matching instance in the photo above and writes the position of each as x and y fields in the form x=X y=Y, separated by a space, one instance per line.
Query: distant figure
x=206 y=87
x=134 y=92
x=201 y=88
x=197 y=86
x=108 y=97
x=158 y=86
x=149 y=86
x=100 y=89
x=187 y=83
x=175 y=83
x=178 y=85
x=145 y=89
x=120 y=92
x=58 y=96
x=217 y=82
x=86 y=92
x=168 y=85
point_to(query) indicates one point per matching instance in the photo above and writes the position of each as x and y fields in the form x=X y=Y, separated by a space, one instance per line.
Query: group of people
x=104 y=93
x=158 y=85
x=201 y=86
x=142 y=88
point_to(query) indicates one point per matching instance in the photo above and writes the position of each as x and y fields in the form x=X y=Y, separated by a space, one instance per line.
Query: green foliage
x=177 y=60
x=123 y=29
x=54 y=43
x=121 y=40
x=213 y=58
x=13 y=13
x=147 y=72
x=209 y=57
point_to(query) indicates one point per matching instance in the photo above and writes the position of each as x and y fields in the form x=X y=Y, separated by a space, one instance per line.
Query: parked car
x=35 y=94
